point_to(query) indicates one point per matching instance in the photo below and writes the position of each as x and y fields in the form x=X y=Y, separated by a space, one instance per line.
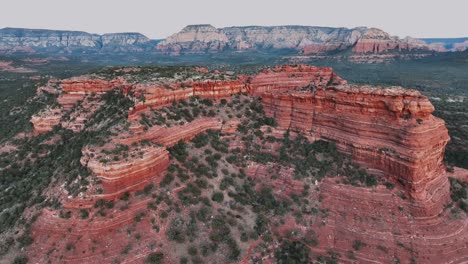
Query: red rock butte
x=391 y=131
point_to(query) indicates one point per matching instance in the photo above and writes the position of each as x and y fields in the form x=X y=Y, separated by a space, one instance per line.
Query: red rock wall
x=123 y=174
x=159 y=96
x=169 y=136
x=287 y=77
x=370 y=125
x=86 y=85
x=383 y=220
x=46 y=120
x=218 y=89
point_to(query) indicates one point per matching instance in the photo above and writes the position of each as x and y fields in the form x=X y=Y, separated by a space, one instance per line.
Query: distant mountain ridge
x=305 y=39
x=33 y=40
x=451 y=44
x=204 y=38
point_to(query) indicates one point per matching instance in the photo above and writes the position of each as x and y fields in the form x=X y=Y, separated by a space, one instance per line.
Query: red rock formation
x=121 y=175
x=158 y=96
x=83 y=85
x=71 y=92
x=169 y=136
x=67 y=101
x=100 y=240
x=46 y=120
x=163 y=95
x=218 y=89
x=391 y=131
x=78 y=118
x=287 y=77
x=388 y=130
x=380 y=218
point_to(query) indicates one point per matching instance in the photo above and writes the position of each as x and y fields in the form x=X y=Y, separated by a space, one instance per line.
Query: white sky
x=159 y=19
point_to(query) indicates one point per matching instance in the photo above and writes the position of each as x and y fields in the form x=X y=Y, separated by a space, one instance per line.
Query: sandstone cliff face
x=390 y=130
x=142 y=165
x=81 y=90
x=287 y=77
x=169 y=136
x=156 y=96
x=46 y=120
x=373 y=217
x=86 y=86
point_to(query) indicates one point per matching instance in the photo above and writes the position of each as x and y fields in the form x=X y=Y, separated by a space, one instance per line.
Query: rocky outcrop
x=72 y=92
x=83 y=85
x=218 y=89
x=384 y=223
x=156 y=96
x=45 y=120
x=142 y=164
x=287 y=77
x=392 y=131
x=169 y=136
x=77 y=119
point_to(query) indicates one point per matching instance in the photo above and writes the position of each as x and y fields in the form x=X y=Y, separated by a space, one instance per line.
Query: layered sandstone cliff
x=46 y=120
x=83 y=92
x=156 y=96
x=288 y=77
x=137 y=167
x=389 y=130
x=169 y=136
x=83 y=85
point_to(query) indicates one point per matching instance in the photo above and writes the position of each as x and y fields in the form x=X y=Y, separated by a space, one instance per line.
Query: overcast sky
x=159 y=19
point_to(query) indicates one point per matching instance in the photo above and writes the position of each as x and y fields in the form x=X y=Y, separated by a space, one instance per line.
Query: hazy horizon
x=421 y=19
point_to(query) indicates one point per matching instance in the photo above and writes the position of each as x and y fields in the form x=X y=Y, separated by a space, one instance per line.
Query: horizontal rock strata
x=121 y=175
x=390 y=130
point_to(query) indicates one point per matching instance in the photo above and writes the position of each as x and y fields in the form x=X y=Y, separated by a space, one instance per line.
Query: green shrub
x=217 y=197
x=155 y=258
